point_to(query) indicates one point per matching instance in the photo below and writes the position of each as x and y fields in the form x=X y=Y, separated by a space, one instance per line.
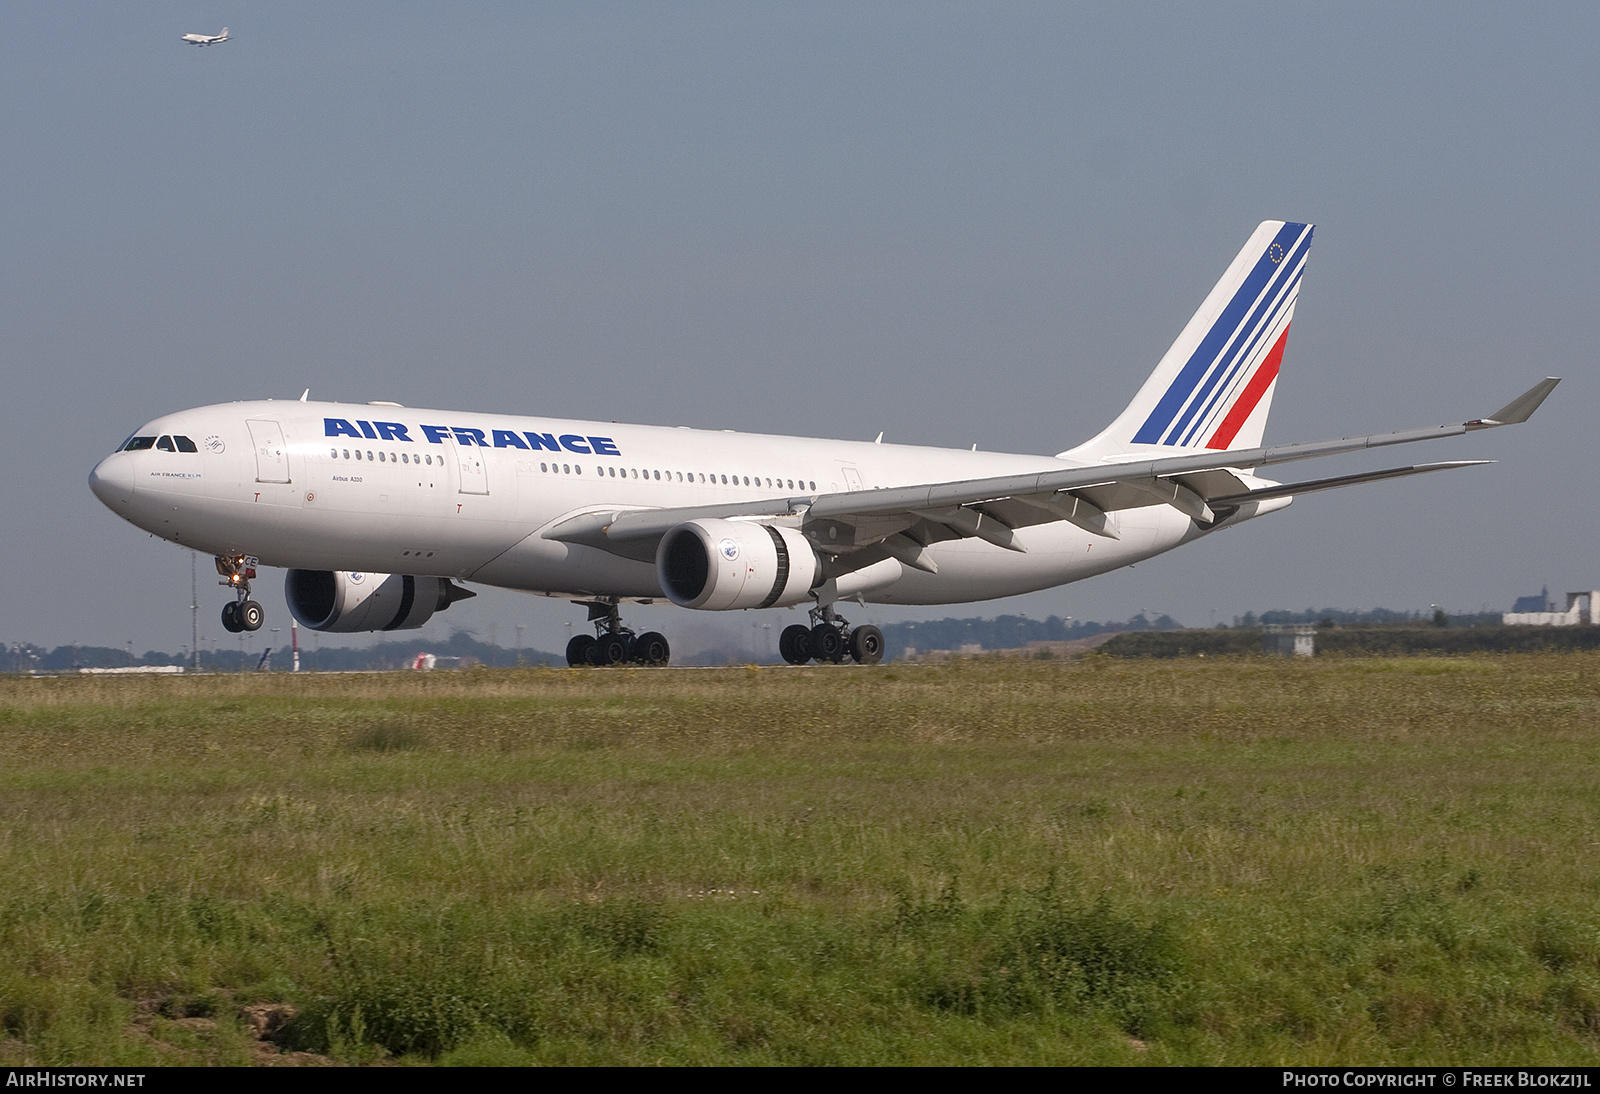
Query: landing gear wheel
x=794 y=644
x=651 y=648
x=610 y=649
x=827 y=644
x=243 y=614
x=866 y=645
x=578 y=650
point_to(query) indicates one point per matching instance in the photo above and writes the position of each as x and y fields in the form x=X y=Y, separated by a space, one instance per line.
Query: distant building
x=1540 y=603
x=1289 y=639
x=1582 y=607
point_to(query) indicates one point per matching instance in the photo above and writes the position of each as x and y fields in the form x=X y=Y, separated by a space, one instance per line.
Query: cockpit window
x=139 y=444
x=165 y=444
x=184 y=444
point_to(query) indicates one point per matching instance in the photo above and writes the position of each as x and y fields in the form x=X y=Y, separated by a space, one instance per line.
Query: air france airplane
x=206 y=39
x=377 y=510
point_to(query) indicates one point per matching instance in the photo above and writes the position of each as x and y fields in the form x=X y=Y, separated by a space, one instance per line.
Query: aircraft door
x=272 y=458
x=852 y=479
x=472 y=467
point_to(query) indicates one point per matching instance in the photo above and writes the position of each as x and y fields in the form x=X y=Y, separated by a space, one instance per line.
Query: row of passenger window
x=163 y=443
x=404 y=457
x=639 y=473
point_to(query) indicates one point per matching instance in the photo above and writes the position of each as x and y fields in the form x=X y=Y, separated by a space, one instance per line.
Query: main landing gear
x=614 y=644
x=830 y=638
x=242 y=613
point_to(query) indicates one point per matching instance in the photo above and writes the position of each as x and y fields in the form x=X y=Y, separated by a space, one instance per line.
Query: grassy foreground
x=1224 y=860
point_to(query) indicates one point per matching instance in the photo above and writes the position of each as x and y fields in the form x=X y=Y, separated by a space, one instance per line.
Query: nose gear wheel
x=243 y=614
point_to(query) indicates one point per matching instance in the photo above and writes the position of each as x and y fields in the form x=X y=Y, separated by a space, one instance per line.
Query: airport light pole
x=194 y=609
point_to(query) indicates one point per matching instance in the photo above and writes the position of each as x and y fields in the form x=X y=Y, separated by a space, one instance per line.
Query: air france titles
x=482 y=438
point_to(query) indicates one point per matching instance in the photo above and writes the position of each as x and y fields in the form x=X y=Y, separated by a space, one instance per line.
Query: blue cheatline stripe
x=1284 y=280
x=1259 y=341
x=1280 y=283
x=1195 y=369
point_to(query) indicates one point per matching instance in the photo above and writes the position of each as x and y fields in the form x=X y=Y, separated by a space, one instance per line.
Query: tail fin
x=1213 y=388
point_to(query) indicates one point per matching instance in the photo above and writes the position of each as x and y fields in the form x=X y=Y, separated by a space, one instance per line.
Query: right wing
x=902 y=521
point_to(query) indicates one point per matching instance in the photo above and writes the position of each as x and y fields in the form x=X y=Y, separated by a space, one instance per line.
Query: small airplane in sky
x=206 y=39
x=375 y=520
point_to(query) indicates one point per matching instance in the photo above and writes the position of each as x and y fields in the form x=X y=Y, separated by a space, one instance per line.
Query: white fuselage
x=467 y=496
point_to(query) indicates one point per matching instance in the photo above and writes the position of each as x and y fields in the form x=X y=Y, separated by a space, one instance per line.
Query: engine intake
x=721 y=565
x=345 y=600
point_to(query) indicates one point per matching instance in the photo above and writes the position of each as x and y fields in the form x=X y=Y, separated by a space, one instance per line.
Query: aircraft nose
x=112 y=479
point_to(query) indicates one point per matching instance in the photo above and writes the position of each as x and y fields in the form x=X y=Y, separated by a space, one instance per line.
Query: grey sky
x=957 y=223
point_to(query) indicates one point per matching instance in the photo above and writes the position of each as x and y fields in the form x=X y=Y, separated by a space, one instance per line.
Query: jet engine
x=344 y=600
x=719 y=565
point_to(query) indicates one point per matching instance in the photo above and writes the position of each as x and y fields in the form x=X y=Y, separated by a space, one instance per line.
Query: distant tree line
x=1379 y=630
x=460 y=648
x=1005 y=632
x=1362 y=641
x=1374 y=616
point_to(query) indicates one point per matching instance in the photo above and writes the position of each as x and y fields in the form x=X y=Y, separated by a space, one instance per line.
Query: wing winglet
x=1521 y=408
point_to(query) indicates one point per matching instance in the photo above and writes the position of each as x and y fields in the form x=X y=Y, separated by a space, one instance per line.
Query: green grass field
x=1219 y=860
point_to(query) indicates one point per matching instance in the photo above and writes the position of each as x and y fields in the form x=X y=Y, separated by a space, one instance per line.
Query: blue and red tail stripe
x=1213 y=381
x=1253 y=391
x=1224 y=382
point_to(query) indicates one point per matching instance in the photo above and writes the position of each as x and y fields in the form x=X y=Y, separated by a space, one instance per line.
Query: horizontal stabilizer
x=1293 y=489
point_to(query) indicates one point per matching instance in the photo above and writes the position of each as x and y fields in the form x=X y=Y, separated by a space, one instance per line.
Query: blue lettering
x=504 y=438
x=604 y=446
x=543 y=441
x=436 y=434
x=366 y=430
x=574 y=443
x=338 y=427
x=469 y=436
x=391 y=431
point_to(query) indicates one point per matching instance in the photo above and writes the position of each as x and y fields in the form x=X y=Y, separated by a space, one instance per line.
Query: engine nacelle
x=344 y=600
x=719 y=565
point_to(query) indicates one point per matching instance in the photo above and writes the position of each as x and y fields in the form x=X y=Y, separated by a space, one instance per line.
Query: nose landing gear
x=830 y=638
x=614 y=644
x=242 y=613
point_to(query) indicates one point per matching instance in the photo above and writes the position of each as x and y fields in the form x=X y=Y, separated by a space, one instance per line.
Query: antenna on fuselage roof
x=304 y=395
